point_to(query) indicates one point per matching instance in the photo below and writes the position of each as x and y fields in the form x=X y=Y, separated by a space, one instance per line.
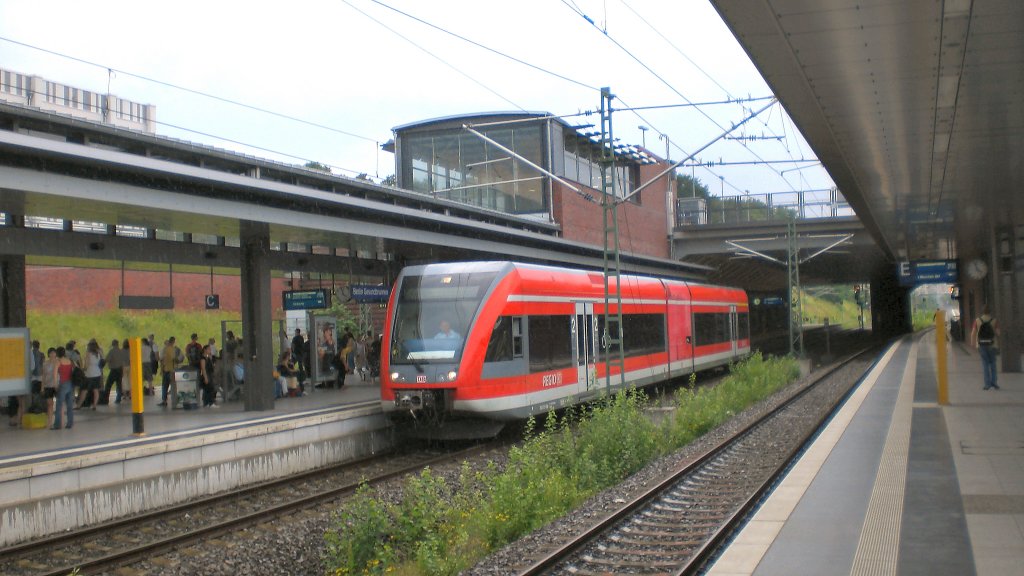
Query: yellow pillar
x=940 y=357
x=135 y=377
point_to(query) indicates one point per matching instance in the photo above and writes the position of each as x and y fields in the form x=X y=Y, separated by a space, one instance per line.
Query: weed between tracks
x=437 y=528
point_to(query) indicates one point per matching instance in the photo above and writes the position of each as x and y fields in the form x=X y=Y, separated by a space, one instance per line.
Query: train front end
x=431 y=339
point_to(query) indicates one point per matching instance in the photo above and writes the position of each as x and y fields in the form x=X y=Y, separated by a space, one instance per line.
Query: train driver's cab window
x=433 y=315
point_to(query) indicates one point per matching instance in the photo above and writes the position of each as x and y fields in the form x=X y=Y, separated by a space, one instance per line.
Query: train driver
x=446 y=332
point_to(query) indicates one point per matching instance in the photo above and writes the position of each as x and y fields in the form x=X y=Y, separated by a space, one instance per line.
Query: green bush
x=437 y=529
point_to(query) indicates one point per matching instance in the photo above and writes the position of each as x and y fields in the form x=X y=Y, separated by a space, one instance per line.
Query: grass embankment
x=55 y=329
x=441 y=529
x=843 y=313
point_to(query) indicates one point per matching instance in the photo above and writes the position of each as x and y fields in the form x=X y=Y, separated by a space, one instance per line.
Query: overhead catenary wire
x=782 y=117
x=110 y=69
x=665 y=82
x=225 y=139
x=432 y=55
x=572 y=6
x=707 y=75
x=485 y=47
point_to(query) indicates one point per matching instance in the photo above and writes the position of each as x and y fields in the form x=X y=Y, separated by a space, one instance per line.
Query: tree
x=688 y=186
x=314 y=165
x=390 y=180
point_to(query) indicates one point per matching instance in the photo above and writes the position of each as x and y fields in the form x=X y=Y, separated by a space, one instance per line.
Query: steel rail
x=127 y=556
x=567 y=549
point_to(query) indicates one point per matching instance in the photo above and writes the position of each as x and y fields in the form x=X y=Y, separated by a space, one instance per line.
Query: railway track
x=103 y=548
x=675 y=526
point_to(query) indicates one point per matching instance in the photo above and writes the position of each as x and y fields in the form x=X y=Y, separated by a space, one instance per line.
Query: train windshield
x=433 y=315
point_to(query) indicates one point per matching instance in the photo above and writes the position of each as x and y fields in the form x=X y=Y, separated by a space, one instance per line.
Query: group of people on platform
x=65 y=378
x=359 y=356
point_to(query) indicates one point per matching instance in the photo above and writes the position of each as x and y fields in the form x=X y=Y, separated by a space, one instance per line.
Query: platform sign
x=365 y=293
x=134 y=302
x=213 y=301
x=15 y=362
x=316 y=299
x=915 y=272
x=774 y=301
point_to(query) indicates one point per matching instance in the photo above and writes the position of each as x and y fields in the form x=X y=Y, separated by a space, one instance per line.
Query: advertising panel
x=324 y=346
x=15 y=362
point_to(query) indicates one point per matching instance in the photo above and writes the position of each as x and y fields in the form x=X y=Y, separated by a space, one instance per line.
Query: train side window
x=643 y=334
x=743 y=322
x=613 y=349
x=517 y=337
x=550 y=342
x=711 y=328
x=506 y=340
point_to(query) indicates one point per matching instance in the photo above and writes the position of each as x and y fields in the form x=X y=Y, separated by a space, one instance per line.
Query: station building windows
x=456 y=165
x=443 y=159
x=521 y=168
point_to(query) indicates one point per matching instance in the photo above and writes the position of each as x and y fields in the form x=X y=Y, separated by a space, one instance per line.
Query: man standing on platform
x=298 y=347
x=986 y=339
x=169 y=360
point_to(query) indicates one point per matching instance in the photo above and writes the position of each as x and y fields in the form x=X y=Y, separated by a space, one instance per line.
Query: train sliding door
x=584 y=347
x=734 y=330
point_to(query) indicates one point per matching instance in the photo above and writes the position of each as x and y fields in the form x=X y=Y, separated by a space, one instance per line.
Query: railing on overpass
x=768 y=207
x=48 y=223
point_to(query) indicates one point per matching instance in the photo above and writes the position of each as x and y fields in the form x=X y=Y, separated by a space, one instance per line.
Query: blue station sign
x=306 y=299
x=914 y=272
x=370 y=293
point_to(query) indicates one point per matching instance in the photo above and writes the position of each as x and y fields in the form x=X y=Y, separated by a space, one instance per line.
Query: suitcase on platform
x=32 y=421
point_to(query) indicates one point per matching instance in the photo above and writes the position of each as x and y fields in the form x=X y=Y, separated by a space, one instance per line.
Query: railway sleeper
x=672 y=539
x=657 y=550
x=688 y=508
x=641 y=564
x=683 y=515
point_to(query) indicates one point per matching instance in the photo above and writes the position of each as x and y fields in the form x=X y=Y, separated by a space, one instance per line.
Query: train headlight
x=452 y=375
x=396 y=377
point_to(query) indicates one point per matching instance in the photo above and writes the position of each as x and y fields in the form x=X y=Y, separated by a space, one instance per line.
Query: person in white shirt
x=447 y=332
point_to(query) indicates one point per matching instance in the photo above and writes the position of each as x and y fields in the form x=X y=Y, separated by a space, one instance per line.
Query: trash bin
x=187 y=380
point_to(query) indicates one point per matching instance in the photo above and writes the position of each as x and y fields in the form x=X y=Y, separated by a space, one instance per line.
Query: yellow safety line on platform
x=754 y=540
x=879 y=544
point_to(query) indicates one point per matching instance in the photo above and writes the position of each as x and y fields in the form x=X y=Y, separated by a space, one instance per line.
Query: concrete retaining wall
x=48 y=497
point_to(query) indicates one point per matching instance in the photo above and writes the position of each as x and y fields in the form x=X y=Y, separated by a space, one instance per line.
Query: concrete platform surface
x=898 y=484
x=111 y=425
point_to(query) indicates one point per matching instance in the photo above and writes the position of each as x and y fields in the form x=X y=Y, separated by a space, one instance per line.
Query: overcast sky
x=361 y=69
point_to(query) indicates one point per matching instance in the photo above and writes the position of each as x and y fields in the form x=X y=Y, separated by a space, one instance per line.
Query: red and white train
x=503 y=340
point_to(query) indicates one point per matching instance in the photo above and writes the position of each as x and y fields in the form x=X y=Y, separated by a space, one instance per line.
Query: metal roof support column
x=13 y=306
x=257 y=324
x=796 y=320
x=611 y=337
x=1008 y=240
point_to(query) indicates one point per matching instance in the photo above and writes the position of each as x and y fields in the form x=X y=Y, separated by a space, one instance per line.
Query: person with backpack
x=194 y=352
x=985 y=336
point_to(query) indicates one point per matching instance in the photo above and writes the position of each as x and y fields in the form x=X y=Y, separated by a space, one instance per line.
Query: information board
x=316 y=299
x=914 y=272
x=15 y=361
